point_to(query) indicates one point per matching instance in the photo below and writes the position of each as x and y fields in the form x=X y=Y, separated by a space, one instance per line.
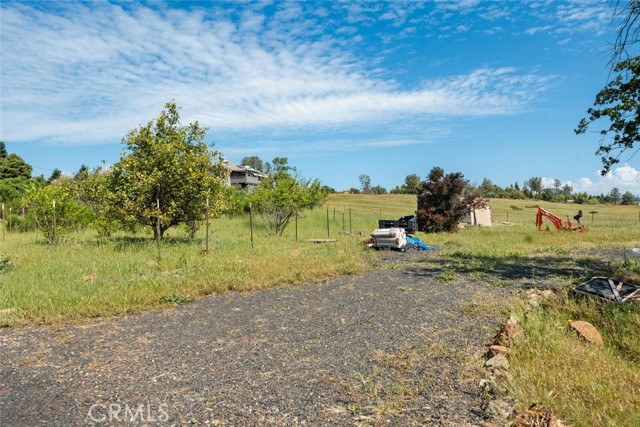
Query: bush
x=445 y=200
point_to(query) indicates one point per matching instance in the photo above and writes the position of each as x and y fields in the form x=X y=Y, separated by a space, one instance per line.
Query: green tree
x=69 y=215
x=170 y=163
x=280 y=194
x=614 y=194
x=445 y=200
x=12 y=189
x=94 y=190
x=378 y=189
x=618 y=104
x=83 y=173
x=412 y=185
x=55 y=174
x=628 y=199
x=365 y=183
x=557 y=185
x=3 y=150
x=566 y=192
x=535 y=185
x=253 y=162
x=13 y=166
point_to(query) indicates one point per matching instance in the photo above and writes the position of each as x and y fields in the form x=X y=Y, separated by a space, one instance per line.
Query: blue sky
x=489 y=89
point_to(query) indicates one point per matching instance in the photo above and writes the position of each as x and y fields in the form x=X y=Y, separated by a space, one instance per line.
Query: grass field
x=85 y=276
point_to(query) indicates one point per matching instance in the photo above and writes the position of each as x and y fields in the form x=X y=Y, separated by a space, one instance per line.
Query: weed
x=5 y=263
x=447 y=276
x=176 y=299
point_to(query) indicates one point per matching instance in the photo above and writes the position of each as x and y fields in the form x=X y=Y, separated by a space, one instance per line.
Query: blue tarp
x=420 y=244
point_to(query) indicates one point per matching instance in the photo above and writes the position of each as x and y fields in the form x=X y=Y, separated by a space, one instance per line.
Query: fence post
x=334 y=214
x=343 y=218
x=54 y=223
x=206 y=229
x=507 y=216
x=251 y=223
x=350 y=220
x=327 y=222
x=158 y=227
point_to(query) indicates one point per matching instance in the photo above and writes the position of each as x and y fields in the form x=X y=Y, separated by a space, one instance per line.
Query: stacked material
x=395 y=238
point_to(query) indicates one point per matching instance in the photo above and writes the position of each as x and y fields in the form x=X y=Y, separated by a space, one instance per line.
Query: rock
x=587 y=331
x=555 y=422
x=533 y=300
x=499 y=361
x=499 y=349
x=547 y=293
x=509 y=334
x=513 y=320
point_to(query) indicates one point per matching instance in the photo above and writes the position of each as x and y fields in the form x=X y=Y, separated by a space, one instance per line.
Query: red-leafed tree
x=445 y=200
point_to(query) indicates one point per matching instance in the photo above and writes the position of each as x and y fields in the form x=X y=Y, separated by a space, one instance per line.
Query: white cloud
x=534 y=30
x=90 y=75
x=625 y=178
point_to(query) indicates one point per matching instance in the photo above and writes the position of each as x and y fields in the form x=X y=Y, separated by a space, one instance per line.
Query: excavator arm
x=555 y=220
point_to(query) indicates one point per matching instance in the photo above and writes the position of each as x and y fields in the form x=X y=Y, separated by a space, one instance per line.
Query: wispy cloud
x=91 y=73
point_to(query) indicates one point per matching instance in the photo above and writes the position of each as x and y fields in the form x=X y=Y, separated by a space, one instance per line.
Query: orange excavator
x=557 y=222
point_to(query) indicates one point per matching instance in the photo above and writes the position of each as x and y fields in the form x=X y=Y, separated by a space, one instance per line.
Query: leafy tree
x=445 y=200
x=412 y=184
x=557 y=185
x=614 y=194
x=12 y=189
x=82 y=174
x=628 y=199
x=95 y=192
x=618 y=104
x=69 y=215
x=55 y=174
x=365 y=183
x=3 y=150
x=253 y=162
x=170 y=163
x=566 y=192
x=378 y=189
x=13 y=166
x=535 y=185
x=280 y=194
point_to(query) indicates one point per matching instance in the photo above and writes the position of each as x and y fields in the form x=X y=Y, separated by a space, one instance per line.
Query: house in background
x=243 y=177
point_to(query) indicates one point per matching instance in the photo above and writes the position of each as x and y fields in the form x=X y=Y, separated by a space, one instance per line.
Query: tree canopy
x=13 y=166
x=618 y=105
x=170 y=163
x=445 y=200
x=281 y=193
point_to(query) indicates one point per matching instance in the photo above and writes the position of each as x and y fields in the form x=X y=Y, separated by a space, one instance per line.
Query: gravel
x=284 y=356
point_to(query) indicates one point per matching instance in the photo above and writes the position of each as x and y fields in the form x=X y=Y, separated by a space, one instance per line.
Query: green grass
x=87 y=277
x=84 y=276
x=42 y=283
x=585 y=385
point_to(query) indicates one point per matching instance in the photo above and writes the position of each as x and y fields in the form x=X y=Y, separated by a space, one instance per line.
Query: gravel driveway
x=314 y=355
